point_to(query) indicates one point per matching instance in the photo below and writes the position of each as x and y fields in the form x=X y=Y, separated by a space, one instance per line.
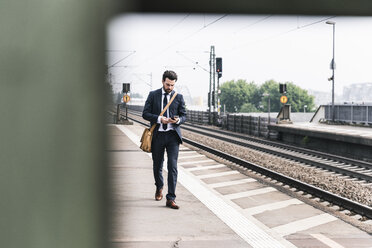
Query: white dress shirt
x=169 y=125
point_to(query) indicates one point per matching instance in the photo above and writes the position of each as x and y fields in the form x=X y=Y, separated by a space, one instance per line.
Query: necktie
x=165 y=102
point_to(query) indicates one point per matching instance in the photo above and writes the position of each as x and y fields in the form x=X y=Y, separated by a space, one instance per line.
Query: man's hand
x=165 y=120
x=174 y=120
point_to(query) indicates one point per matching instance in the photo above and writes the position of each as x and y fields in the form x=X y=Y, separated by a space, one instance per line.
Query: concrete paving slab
x=287 y=215
x=302 y=240
x=306 y=241
x=188 y=159
x=153 y=225
x=208 y=167
x=256 y=200
x=354 y=242
x=239 y=188
x=231 y=183
x=140 y=221
x=224 y=178
x=197 y=162
x=210 y=171
x=181 y=244
x=338 y=228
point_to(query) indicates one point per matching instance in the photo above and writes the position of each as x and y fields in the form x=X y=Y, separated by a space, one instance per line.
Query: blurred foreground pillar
x=52 y=170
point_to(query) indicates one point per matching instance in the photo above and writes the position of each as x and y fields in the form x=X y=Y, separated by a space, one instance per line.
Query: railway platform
x=344 y=140
x=219 y=206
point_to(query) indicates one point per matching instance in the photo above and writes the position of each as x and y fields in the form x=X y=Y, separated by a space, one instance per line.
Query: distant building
x=357 y=93
x=321 y=97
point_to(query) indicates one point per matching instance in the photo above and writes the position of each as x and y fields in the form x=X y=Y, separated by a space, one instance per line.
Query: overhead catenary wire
x=193 y=61
x=178 y=23
x=254 y=23
x=131 y=53
x=203 y=27
x=183 y=40
x=281 y=34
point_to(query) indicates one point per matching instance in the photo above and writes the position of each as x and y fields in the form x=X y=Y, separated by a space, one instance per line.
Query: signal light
x=219 y=65
x=213 y=99
x=126 y=88
x=282 y=88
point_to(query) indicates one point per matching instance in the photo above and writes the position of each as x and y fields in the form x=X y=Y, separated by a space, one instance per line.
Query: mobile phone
x=175 y=117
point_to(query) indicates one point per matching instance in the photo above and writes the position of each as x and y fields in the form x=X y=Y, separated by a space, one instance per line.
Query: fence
x=256 y=126
x=350 y=113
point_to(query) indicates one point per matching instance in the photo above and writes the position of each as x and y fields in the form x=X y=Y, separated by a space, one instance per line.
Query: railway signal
x=219 y=67
x=282 y=88
x=126 y=88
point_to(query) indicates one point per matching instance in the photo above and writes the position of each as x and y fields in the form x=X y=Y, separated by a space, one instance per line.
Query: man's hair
x=171 y=75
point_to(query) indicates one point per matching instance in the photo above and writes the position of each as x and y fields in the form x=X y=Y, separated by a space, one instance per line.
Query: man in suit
x=167 y=134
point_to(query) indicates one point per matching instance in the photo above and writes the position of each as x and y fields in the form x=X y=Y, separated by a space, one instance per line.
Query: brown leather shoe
x=172 y=204
x=159 y=194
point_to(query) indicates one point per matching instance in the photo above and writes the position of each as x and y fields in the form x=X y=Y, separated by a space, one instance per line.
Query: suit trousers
x=166 y=141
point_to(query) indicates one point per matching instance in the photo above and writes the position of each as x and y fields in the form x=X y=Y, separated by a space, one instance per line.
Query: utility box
x=284 y=116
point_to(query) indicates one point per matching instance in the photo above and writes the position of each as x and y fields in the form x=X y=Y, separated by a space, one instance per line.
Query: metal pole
x=118 y=113
x=126 y=111
x=269 y=112
x=214 y=78
x=333 y=66
x=333 y=75
x=217 y=96
x=210 y=87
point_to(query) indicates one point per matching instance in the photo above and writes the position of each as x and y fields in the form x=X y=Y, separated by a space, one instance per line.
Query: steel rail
x=284 y=154
x=315 y=191
x=336 y=158
x=343 y=202
x=325 y=166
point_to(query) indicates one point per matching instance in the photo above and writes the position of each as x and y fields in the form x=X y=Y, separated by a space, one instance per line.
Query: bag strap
x=165 y=109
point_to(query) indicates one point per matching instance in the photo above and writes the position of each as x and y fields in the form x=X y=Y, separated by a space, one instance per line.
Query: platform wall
x=346 y=146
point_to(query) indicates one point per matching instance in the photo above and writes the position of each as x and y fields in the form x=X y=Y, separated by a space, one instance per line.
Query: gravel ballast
x=342 y=186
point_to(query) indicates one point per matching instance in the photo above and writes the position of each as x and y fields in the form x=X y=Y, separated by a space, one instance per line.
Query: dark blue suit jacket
x=152 y=110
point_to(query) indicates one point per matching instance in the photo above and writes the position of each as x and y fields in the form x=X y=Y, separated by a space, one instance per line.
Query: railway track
x=353 y=169
x=349 y=168
x=344 y=166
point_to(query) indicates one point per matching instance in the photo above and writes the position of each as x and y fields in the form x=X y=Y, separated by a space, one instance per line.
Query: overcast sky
x=257 y=48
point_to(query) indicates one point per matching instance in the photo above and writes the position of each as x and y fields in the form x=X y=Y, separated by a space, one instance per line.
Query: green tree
x=234 y=94
x=298 y=98
x=248 y=108
x=272 y=88
x=240 y=96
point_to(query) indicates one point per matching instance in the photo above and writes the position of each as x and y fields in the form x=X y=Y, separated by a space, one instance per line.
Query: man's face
x=168 y=85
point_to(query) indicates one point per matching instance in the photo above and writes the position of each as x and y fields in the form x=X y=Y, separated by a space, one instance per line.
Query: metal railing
x=350 y=113
x=256 y=126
